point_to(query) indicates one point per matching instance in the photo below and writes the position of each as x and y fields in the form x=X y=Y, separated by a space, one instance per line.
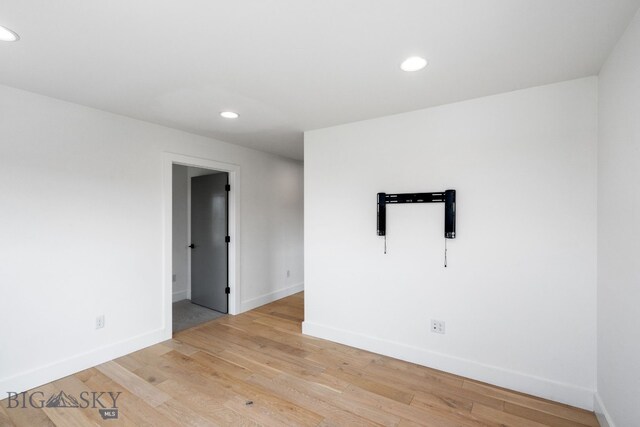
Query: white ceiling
x=293 y=65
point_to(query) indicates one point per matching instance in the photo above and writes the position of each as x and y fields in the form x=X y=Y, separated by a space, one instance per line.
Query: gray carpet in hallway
x=187 y=315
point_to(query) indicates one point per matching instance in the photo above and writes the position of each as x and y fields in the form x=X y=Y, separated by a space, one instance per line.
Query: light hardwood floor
x=257 y=369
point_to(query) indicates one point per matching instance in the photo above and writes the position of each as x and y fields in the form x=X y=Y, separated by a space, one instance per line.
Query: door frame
x=168 y=160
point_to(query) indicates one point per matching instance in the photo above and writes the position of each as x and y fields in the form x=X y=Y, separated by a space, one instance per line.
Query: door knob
x=191 y=246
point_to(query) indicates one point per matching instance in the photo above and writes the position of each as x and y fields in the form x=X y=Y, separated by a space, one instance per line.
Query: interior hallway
x=188 y=315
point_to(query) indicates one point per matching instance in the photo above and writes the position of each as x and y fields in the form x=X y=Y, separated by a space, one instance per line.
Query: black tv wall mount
x=448 y=197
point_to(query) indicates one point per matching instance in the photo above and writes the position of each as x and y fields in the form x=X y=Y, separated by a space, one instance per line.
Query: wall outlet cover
x=437 y=326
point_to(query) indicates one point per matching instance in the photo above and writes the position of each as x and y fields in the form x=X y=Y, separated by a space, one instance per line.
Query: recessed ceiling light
x=229 y=115
x=414 y=63
x=6 y=35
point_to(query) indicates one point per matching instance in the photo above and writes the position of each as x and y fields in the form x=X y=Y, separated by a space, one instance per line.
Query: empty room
x=320 y=213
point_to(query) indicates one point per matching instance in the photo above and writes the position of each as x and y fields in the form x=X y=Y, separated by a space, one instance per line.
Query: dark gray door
x=209 y=253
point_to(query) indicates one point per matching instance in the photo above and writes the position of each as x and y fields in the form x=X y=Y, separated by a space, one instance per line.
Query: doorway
x=203 y=251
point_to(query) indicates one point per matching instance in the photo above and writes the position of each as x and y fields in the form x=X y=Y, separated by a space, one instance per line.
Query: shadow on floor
x=187 y=315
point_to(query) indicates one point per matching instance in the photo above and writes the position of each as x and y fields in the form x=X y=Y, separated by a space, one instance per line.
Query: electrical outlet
x=437 y=326
x=100 y=322
x=288 y=273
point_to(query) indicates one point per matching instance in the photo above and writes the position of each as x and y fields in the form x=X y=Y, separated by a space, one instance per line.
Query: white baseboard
x=53 y=371
x=270 y=297
x=604 y=418
x=180 y=295
x=524 y=383
x=60 y=369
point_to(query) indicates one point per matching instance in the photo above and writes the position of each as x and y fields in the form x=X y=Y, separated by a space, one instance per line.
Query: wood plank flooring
x=257 y=369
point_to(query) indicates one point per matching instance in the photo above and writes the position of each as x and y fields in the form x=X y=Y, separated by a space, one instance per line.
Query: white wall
x=180 y=224
x=81 y=205
x=518 y=297
x=619 y=232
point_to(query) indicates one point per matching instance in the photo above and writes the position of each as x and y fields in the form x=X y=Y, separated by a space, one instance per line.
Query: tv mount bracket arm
x=447 y=197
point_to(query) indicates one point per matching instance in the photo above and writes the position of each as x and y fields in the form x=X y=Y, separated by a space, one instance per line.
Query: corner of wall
x=270 y=297
x=604 y=418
